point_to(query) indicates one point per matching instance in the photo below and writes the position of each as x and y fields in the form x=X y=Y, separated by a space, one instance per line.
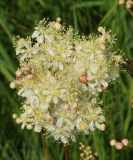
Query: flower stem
x=131 y=146
x=130 y=11
x=66 y=152
x=44 y=147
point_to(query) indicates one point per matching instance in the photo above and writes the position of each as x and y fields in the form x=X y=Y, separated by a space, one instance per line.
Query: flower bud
x=118 y=145
x=18 y=73
x=29 y=126
x=12 y=85
x=18 y=121
x=112 y=142
x=14 y=116
x=101 y=29
x=102 y=128
x=124 y=142
x=73 y=110
x=83 y=78
x=27 y=70
x=58 y=19
x=128 y=4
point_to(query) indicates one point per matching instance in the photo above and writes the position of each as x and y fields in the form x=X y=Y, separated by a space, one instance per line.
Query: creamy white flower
x=39 y=36
x=64 y=139
x=37 y=128
x=66 y=72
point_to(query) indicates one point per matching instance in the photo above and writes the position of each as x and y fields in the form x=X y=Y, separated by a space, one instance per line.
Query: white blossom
x=66 y=73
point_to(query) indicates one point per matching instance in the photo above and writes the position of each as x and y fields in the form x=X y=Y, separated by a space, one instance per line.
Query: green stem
x=44 y=146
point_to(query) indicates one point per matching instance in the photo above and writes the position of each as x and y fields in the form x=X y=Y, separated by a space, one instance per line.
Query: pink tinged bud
x=118 y=145
x=131 y=100
x=83 y=78
x=30 y=76
x=27 y=70
x=12 y=85
x=125 y=142
x=128 y=5
x=112 y=142
x=73 y=110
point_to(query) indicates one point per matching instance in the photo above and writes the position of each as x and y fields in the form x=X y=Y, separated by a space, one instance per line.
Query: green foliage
x=17 y=17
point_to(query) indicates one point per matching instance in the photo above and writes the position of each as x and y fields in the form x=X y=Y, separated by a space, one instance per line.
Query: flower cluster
x=119 y=145
x=60 y=77
x=86 y=152
x=127 y=3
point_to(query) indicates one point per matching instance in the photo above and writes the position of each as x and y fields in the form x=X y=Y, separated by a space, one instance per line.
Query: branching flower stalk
x=60 y=77
x=128 y=66
x=128 y=4
x=120 y=145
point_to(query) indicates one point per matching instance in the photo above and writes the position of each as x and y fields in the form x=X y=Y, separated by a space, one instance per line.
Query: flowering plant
x=60 y=77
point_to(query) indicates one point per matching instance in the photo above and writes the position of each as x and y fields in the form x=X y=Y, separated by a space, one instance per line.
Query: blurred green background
x=17 y=17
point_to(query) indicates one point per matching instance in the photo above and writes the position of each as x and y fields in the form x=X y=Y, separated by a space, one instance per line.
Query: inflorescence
x=60 y=77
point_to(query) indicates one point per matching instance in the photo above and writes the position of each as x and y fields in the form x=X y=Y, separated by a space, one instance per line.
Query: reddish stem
x=66 y=152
